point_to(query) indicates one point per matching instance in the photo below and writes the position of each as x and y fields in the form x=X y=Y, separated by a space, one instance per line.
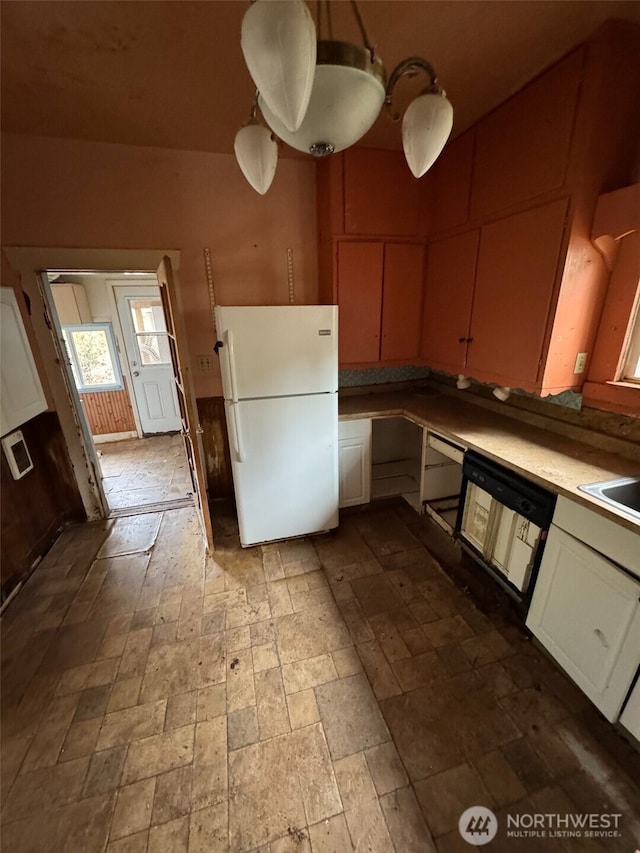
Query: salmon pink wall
x=76 y=194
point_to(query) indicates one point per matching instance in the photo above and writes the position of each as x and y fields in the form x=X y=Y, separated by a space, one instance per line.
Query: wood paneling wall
x=39 y=505
x=215 y=443
x=108 y=411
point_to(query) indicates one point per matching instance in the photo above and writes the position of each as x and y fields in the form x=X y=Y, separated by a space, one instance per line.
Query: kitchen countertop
x=554 y=461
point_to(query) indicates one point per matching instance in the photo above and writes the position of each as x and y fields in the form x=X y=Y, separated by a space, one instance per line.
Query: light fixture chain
x=363 y=32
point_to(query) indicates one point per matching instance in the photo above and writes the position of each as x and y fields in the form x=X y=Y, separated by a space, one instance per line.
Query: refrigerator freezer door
x=287 y=483
x=278 y=350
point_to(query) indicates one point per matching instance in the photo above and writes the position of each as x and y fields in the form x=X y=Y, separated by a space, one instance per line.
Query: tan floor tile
x=499 y=778
x=354 y=780
x=242 y=727
x=273 y=717
x=379 y=673
x=368 y=829
x=172 y=837
x=170 y=669
x=112 y=646
x=303 y=709
x=265 y=797
x=46 y=745
x=241 y=638
x=331 y=836
x=295 y=841
x=416 y=641
x=265 y=656
x=259 y=634
x=210 y=779
x=124 y=694
x=315 y=773
x=211 y=702
x=405 y=822
x=133 y=808
x=132 y=723
x=159 y=753
x=131 y=844
x=280 y=598
x=84 y=825
x=308 y=673
x=81 y=739
x=310 y=633
x=272 y=562
x=240 y=689
x=105 y=771
x=452 y=629
x=208 y=829
x=92 y=703
x=418 y=671
x=350 y=715
x=356 y=622
x=386 y=768
x=211 y=660
x=44 y=789
x=135 y=653
x=246 y=614
x=347 y=661
x=172 y=797
x=310 y=598
x=131 y=534
x=446 y=795
x=181 y=710
x=164 y=634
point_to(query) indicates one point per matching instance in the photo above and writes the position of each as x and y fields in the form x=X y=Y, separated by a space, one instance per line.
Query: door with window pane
x=148 y=354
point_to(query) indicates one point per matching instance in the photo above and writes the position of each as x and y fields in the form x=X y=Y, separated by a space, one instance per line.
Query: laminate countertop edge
x=554 y=461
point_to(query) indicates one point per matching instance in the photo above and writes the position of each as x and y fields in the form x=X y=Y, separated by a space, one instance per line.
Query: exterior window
x=630 y=362
x=92 y=353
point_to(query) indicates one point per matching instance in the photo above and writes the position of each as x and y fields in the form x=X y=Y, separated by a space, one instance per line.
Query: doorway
x=119 y=360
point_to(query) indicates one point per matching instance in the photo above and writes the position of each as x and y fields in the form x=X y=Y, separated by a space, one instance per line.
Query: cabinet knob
x=461 y=340
x=469 y=340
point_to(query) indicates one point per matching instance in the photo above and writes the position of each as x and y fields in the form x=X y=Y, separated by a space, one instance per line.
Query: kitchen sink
x=622 y=494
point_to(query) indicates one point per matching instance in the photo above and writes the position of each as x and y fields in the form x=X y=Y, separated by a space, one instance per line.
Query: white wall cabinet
x=586 y=612
x=354 y=461
x=21 y=393
x=71 y=304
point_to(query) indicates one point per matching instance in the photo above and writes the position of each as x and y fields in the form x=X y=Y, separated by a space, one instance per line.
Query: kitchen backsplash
x=380 y=375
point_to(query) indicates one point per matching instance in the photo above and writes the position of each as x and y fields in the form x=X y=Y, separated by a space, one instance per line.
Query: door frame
x=30 y=263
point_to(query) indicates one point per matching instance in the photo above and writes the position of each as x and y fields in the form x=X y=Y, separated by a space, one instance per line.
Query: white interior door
x=148 y=354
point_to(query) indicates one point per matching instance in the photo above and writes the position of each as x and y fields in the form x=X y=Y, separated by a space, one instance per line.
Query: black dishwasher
x=503 y=523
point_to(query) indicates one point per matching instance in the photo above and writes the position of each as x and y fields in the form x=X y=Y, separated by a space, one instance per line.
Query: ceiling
x=171 y=74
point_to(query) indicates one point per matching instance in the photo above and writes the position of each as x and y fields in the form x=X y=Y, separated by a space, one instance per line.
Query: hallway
x=326 y=694
x=144 y=472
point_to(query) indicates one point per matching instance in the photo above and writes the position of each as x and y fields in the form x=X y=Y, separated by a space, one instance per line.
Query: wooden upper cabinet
x=516 y=274
x=448 y=296
x=522 y=148
x=450 y=185
x=360 y=268
x=381 y=196
x=401 y=301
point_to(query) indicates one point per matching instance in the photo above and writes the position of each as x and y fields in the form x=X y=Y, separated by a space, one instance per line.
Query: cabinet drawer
x=439 y=445
x=358 y=428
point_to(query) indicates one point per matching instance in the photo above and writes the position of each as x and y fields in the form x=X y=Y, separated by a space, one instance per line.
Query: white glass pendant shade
x=426 y=127
x=279 y=46
x=257 y=155
x=345 y=102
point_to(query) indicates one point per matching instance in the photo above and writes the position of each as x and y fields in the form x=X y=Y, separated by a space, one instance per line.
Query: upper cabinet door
x=515 y=279
x=380 y=194
x=522 y=148
x=451 y=182
x=402 y=301
x=448 y=295
x=359 y=301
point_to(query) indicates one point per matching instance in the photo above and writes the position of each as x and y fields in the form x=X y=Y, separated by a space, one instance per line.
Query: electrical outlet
x=581 y=360
x=204 y=362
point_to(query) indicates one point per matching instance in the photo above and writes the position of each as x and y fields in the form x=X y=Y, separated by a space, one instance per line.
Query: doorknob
x=136 y=373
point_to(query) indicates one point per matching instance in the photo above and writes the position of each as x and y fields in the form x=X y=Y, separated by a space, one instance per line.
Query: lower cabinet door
x=586 y=612
x=354 y=461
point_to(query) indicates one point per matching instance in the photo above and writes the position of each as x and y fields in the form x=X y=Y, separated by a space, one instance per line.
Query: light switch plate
x=581 y=360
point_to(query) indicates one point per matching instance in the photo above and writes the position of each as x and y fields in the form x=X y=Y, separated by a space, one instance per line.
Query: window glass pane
x=153 y=349
x=147 y=315
x=92 y=352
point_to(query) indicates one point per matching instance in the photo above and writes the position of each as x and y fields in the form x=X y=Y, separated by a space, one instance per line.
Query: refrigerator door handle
x=232 y=367
x=238 y=433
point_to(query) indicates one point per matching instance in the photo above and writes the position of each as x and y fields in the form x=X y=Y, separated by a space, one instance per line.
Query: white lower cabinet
x=630 y=717
x=354 y=461
x=586 y=612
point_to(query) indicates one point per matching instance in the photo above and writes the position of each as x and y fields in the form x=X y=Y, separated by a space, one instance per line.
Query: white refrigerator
x=279 y=369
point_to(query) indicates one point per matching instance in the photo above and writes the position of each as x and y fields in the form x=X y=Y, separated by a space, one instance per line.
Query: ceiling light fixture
x=321 y=97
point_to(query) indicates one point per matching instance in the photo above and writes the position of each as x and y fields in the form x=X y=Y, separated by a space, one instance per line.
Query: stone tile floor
x=335 y=693
x=144 y=471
